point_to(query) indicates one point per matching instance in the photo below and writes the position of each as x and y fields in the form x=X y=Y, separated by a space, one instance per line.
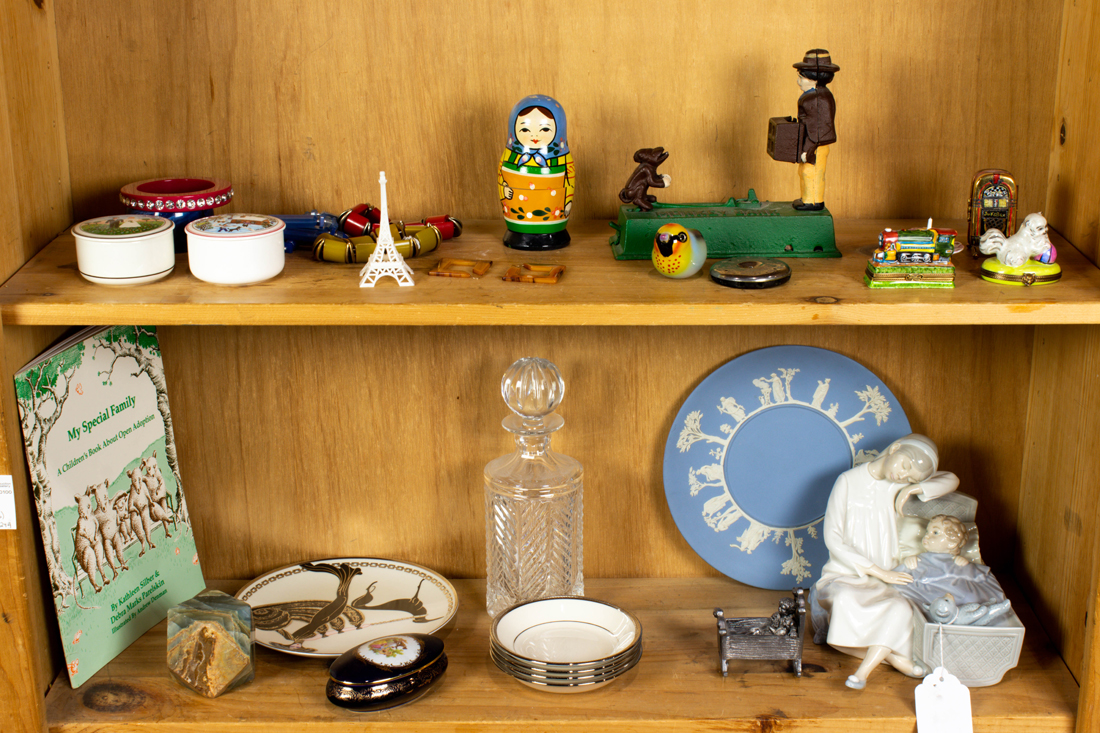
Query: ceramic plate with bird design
x=325 y=607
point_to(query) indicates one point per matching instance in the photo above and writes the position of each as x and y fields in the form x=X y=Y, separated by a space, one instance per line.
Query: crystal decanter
x=533 y=497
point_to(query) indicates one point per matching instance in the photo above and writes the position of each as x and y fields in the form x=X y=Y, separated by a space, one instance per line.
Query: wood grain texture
x=35 y=205
x=20 y=345
x=1088 y=703
x=34 y=132
x=300 y=443
x=1088 y=707
x=675 y=687
x=22 y=664
x=301 y=105
x=1058 y=493
x=1074 y=172
x=594 y=290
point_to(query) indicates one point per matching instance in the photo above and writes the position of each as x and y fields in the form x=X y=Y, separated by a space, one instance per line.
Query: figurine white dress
x=865 y=614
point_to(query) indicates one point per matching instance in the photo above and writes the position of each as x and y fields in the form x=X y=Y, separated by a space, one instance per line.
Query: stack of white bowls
x=565 y=644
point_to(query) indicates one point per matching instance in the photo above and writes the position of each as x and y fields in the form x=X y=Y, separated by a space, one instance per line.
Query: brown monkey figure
x=644 y=176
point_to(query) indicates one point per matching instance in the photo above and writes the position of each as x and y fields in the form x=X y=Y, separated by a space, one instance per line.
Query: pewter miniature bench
x=779 y=637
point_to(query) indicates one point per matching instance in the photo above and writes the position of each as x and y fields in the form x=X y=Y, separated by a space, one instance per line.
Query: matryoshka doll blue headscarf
x=557 y=147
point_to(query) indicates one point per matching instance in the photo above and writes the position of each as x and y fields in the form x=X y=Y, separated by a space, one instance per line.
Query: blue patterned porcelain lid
x=235 y=225
x=122 y=226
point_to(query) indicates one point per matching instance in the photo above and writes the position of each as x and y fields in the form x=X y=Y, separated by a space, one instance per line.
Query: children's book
x=117 y=536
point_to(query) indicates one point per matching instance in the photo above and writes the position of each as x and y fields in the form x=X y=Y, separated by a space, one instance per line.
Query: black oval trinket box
x=386 y=672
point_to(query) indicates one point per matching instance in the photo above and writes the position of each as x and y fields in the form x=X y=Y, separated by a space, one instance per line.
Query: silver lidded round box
x=750 y=272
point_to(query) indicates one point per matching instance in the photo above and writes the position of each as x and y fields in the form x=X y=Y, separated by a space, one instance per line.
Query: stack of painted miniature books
x=913 y=258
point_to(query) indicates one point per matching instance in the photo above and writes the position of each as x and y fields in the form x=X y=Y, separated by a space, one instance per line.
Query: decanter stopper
x=532 y=388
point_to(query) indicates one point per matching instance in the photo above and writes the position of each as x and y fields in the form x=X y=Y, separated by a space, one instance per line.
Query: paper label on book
x=7 y=503
x=943 y=704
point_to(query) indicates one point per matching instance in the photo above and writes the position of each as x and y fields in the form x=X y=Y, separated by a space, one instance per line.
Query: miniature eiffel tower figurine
x=385 y=261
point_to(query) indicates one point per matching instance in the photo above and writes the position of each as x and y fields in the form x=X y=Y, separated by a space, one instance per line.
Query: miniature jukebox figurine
x=992 y=205
x=535 y=181
x=816 y=111
x=856 y=605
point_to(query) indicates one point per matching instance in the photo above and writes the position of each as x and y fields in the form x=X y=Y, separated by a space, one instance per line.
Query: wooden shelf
x=595 y=290
x=675 y=687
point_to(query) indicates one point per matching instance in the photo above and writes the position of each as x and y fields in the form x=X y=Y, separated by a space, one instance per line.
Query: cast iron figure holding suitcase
x=816 y=113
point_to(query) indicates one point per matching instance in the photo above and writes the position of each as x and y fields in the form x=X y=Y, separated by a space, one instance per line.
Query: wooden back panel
x=300 y=105
x=302 y=443
x=1074 y=173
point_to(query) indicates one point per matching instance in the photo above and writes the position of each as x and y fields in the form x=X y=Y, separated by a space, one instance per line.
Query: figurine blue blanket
x=937 y=574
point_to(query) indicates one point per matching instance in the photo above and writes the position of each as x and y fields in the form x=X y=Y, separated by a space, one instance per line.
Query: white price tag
x=943 y=704
x=7 y=503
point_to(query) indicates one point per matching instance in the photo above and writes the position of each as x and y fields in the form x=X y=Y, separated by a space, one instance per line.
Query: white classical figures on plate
x=856 y=603
x=722 y=510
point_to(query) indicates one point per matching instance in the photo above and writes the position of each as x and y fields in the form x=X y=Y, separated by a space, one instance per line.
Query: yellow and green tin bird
x=678 y=252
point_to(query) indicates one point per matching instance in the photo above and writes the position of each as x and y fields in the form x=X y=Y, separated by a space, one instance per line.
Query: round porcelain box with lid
x=128 y=249
x=386 y=672
x=236 y=249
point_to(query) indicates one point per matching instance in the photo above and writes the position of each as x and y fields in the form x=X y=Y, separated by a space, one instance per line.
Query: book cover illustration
x=118 y=540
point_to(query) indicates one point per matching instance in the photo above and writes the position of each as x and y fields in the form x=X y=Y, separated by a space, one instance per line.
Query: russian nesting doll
x=536 y=176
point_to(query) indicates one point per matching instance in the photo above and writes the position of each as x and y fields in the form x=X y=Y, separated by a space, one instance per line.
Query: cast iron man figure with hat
x=816 y=112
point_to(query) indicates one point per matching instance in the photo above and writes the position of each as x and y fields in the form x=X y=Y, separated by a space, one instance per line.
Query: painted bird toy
x=678 y=252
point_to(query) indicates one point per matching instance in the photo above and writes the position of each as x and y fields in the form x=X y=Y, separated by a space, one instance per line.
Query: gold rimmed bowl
x=565 y=644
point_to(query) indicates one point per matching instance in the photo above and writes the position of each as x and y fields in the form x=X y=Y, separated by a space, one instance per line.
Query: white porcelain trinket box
x=236 y=249
x=128 y=249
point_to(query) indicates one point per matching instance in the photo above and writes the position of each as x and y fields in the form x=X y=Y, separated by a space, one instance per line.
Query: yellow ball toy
x=678 y=252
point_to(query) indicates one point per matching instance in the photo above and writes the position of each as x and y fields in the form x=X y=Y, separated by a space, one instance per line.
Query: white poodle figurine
x=1030 y=242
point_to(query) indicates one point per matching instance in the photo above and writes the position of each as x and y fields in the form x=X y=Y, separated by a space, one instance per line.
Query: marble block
x=211 y=642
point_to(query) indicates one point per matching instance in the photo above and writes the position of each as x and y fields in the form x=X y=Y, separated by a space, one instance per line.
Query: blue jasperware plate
x=753 y=454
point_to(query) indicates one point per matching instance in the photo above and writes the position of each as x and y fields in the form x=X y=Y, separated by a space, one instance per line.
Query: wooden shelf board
x=675 y=687
x=596 y=289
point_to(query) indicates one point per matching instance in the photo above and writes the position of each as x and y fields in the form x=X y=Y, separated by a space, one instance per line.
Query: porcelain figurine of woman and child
x=864 y=603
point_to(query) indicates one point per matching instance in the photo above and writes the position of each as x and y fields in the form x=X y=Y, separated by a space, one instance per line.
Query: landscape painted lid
x=122 y=226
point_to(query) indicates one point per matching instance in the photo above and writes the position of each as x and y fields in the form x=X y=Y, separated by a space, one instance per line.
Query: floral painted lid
x=122 y=226
x=386 y=672
x=235 y=225
x=383 y=659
